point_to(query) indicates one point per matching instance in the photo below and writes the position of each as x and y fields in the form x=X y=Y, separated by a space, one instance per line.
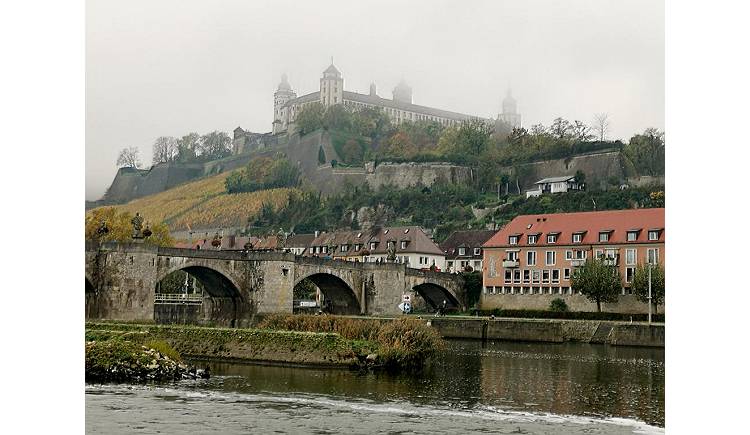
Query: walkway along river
x=496 y=387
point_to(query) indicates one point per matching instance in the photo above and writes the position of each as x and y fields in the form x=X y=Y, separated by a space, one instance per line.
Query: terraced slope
x=204 y=204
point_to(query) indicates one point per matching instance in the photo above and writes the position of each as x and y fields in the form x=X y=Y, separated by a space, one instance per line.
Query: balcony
x=610 y=261
x=507 y=264
x=577 y=263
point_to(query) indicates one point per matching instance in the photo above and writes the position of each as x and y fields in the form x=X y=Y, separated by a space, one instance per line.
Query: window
x=577 y=238
x=508 y=275
x=372 y=245
x=568 y=255
x=555 y=276
x=532 y=239
x=535 y=274
x=357 y=247
x=450 y=265
x=545 y=276
x=526 y=276
x=512 y=255
x=630 y=257
x=477 y=264
x=551 y=238
x=632 y=236
x=599 y=253
x=312 y=249
x=325 y=249
x=652 y=256
x=531 y=258
x=629 y=273
x=512 y=240
x=477 y=251
x=566 y=274
x=517 y=276
x=653 y=235
x=580 y=255
x=611 y=253
x=461 y=251
x=403 y=244
x=604 y=236
x=550 y=260
x=344 y=248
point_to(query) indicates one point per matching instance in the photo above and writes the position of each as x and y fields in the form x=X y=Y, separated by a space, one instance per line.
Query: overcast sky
x=157 y=68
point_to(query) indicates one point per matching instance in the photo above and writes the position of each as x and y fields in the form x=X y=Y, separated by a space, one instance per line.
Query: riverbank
x=551 y=330
x=403 y=344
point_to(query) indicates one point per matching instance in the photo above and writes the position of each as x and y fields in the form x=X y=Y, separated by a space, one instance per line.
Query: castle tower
x=510 y=113
x=402 y=92
x=283 y=94
x=373 y=90
x=331 y=86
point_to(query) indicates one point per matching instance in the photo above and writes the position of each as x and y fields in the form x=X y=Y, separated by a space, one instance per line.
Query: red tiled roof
x=592 y=222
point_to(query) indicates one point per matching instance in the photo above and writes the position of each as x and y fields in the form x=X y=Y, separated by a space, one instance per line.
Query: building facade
x=411 y=245
x=531 y=260
x=510 y=113
x=331 y=92
x=463 y=250
x=554 y=185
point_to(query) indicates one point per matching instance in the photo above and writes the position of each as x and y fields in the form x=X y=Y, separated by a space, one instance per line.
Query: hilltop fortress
x=287 y=105
x=131 y=183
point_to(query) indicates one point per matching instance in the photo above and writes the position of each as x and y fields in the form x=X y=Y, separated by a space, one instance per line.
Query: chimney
x=317 y=233
x=373 y=90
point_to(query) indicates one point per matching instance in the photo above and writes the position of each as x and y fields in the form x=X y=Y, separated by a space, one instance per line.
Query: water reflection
x=564 y=379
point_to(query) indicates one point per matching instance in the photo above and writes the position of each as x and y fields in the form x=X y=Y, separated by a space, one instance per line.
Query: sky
x=168 y=67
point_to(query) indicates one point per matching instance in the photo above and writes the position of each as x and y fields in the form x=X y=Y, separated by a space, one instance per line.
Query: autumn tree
x=310 y=118
x=120 y=228
x=215 y=145
x=601 y=126
x=188 y=146
x=129 y=158
x=598 y=281
x=640 y=284
x=646 y=152
x=165 y=149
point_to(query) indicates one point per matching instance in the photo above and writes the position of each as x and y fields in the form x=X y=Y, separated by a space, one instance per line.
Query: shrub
x=165 y=349
x=558 y=305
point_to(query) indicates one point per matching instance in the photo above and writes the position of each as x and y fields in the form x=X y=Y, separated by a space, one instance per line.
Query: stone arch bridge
x=122 y=281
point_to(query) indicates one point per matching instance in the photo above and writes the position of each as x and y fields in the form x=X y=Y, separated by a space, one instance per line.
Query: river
x=501 y=387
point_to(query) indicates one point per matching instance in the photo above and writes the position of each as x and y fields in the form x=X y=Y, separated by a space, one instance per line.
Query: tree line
x=368 y=134
x=191 y=147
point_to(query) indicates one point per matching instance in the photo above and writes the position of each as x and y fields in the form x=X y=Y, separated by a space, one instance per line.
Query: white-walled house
x=554 y=185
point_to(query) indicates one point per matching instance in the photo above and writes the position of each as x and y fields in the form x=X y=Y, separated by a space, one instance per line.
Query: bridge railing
x=178 y=298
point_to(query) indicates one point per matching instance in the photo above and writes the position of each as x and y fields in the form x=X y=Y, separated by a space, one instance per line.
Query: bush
x=165 y=349
x=401 y=342
x=558 y=305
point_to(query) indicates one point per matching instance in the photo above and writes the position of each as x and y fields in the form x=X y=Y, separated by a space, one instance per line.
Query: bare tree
x=129 y=158
x=165 y=149
x=601 y=126
x=580 y=131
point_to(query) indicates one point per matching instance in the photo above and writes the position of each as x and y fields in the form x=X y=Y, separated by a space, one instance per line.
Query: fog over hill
x=172 y=67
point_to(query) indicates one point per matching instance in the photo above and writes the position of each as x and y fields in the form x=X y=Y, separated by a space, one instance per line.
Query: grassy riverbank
x=298 y=340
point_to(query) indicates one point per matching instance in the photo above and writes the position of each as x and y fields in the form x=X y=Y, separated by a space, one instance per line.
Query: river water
x=500 y=387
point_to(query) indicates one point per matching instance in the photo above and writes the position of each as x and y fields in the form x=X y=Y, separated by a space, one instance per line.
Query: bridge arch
x=343 y=298
x=219 y=300
x=435 y=294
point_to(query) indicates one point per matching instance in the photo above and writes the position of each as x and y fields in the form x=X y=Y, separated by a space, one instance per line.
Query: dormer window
x=532 y=239
x=372 y=246
x=462 y=251
x=577 y=237
x=604 y=236
x=632 y=236
x=513 y=240
x=344 y=248
x=403 y=244
x=653 y=235
x=357 y=247
x=477 y=251
x=551 y=238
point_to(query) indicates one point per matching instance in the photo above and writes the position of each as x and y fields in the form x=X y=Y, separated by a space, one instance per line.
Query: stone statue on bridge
x=281 y=239
x=137 y=222
x=391 y=257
